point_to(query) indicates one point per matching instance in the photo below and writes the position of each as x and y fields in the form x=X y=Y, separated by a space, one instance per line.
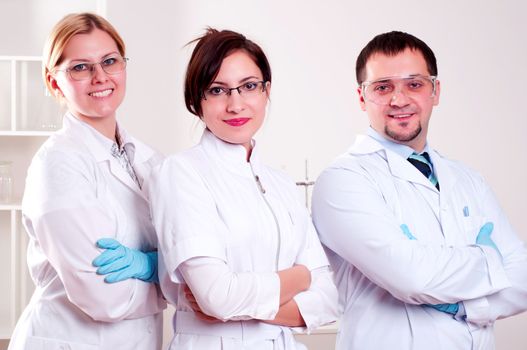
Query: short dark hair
x=206 y=59
x=391 y=44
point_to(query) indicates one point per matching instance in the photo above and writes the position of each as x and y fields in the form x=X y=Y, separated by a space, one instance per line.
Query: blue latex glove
x=483 y=237
x=120 y=263
x=447 y=308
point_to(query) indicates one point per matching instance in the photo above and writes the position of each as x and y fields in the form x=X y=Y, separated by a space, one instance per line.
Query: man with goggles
x=424 y=257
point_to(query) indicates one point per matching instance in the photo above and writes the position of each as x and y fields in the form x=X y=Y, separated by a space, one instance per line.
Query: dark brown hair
x=391 y=44
x=206 y=59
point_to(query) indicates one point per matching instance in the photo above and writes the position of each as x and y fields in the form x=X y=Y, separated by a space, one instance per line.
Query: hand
x=407 y=233
x=483 y=237
x=195 y=307
x=120 y=262
x=447 y=308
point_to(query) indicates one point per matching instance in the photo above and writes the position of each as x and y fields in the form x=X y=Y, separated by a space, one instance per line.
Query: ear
x=438 y=92
x=57 y=92
x=361 y=99
x=268 y=88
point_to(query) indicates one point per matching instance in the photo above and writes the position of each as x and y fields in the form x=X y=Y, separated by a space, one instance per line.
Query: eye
x=415 y=84
x=80 y=67
x=382 y=88
x=109 y=61
x=250 y=86
x=216 y=91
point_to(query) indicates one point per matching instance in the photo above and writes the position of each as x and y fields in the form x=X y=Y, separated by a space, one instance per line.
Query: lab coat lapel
x=446 y=178
x=85 y=134
x=122 y=175
x=399 y=167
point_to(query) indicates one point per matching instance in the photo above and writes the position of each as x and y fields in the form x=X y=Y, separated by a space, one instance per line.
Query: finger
x=486 y=229
x=407 y=232
x=108 y=243
x=108 y=256
x=118 y=276
x=194 y=305
x=205 y=317
x=125 y=261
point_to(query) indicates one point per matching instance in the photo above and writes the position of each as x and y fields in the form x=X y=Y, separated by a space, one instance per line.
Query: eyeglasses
x=384 y=91
x=85 y=70
x=246 y=90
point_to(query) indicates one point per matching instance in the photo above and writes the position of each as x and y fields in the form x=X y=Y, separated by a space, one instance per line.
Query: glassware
x=6 y=182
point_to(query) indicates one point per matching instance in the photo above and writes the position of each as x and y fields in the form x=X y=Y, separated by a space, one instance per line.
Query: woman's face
x=235 y=118
x=101 y=93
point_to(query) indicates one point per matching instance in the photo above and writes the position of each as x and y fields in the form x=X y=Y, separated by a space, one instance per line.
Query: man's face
x=405 y=116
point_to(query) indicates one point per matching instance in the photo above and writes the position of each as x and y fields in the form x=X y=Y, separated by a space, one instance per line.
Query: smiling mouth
x=237 y=121
x=102 y=93
x=400 y=116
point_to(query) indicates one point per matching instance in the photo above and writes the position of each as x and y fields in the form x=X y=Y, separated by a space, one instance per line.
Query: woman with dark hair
x=239 y=256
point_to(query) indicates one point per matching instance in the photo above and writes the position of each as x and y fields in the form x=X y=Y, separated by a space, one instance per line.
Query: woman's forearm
x=288 y=315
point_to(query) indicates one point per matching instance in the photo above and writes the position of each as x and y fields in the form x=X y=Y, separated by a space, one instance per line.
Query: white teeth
x=400 y=115
x=101 y=93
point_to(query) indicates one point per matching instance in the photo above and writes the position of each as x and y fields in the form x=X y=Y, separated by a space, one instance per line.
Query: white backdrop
x=481 y=49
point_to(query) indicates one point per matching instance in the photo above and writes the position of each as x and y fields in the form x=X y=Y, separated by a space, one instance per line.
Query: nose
x=98 y=74
x=399 y=98
x=235 y=102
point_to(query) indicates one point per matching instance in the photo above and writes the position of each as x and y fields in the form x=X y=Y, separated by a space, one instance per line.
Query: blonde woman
x=84 y=183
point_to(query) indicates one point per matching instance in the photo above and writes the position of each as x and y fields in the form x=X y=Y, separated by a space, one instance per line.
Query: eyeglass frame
x=431 y=78
x=92 y=67
x=229 y=90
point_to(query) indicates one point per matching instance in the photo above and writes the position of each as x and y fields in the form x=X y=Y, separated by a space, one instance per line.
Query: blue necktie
x=424 y=165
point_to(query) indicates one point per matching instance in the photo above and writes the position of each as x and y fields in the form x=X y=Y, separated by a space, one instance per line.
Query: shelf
x=26 y=133
x=15 y=205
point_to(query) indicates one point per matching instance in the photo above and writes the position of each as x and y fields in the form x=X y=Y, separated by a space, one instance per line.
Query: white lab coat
x=76 y=193
x=360 y=202
x=206 y=202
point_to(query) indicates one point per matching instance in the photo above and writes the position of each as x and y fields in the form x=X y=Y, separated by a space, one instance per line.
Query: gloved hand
x=483 y=237
x=120 y=263
x=447 y=308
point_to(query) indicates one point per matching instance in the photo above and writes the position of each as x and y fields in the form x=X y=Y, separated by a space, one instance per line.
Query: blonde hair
x=64 y=30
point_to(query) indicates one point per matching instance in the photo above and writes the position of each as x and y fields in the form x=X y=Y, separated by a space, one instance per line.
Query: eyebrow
x=240 y=82
x=85 y=60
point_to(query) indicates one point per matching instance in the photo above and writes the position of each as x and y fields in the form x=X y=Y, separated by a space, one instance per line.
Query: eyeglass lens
x=383 y=91
x=83 y=71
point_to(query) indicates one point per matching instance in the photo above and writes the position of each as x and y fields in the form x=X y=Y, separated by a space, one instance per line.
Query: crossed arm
x=349 y=207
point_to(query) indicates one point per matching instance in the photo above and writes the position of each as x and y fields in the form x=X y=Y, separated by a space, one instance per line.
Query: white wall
x=312 y=45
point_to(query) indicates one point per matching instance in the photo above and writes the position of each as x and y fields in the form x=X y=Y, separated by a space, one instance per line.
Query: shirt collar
x=100 y=145
x=233 y=155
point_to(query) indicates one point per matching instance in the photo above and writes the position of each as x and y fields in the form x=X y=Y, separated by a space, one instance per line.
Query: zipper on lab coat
x=262 y=193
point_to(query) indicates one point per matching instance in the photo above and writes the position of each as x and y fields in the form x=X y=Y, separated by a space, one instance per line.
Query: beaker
x=6 y=182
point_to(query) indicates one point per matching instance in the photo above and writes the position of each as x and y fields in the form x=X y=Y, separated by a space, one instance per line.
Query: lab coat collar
x=100 y=147
x=399 y=166
x=233 y=156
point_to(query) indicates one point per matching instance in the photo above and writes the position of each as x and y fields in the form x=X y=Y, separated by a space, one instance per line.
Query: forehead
x=405 y=63
x=237 y=66
x=90 y=46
